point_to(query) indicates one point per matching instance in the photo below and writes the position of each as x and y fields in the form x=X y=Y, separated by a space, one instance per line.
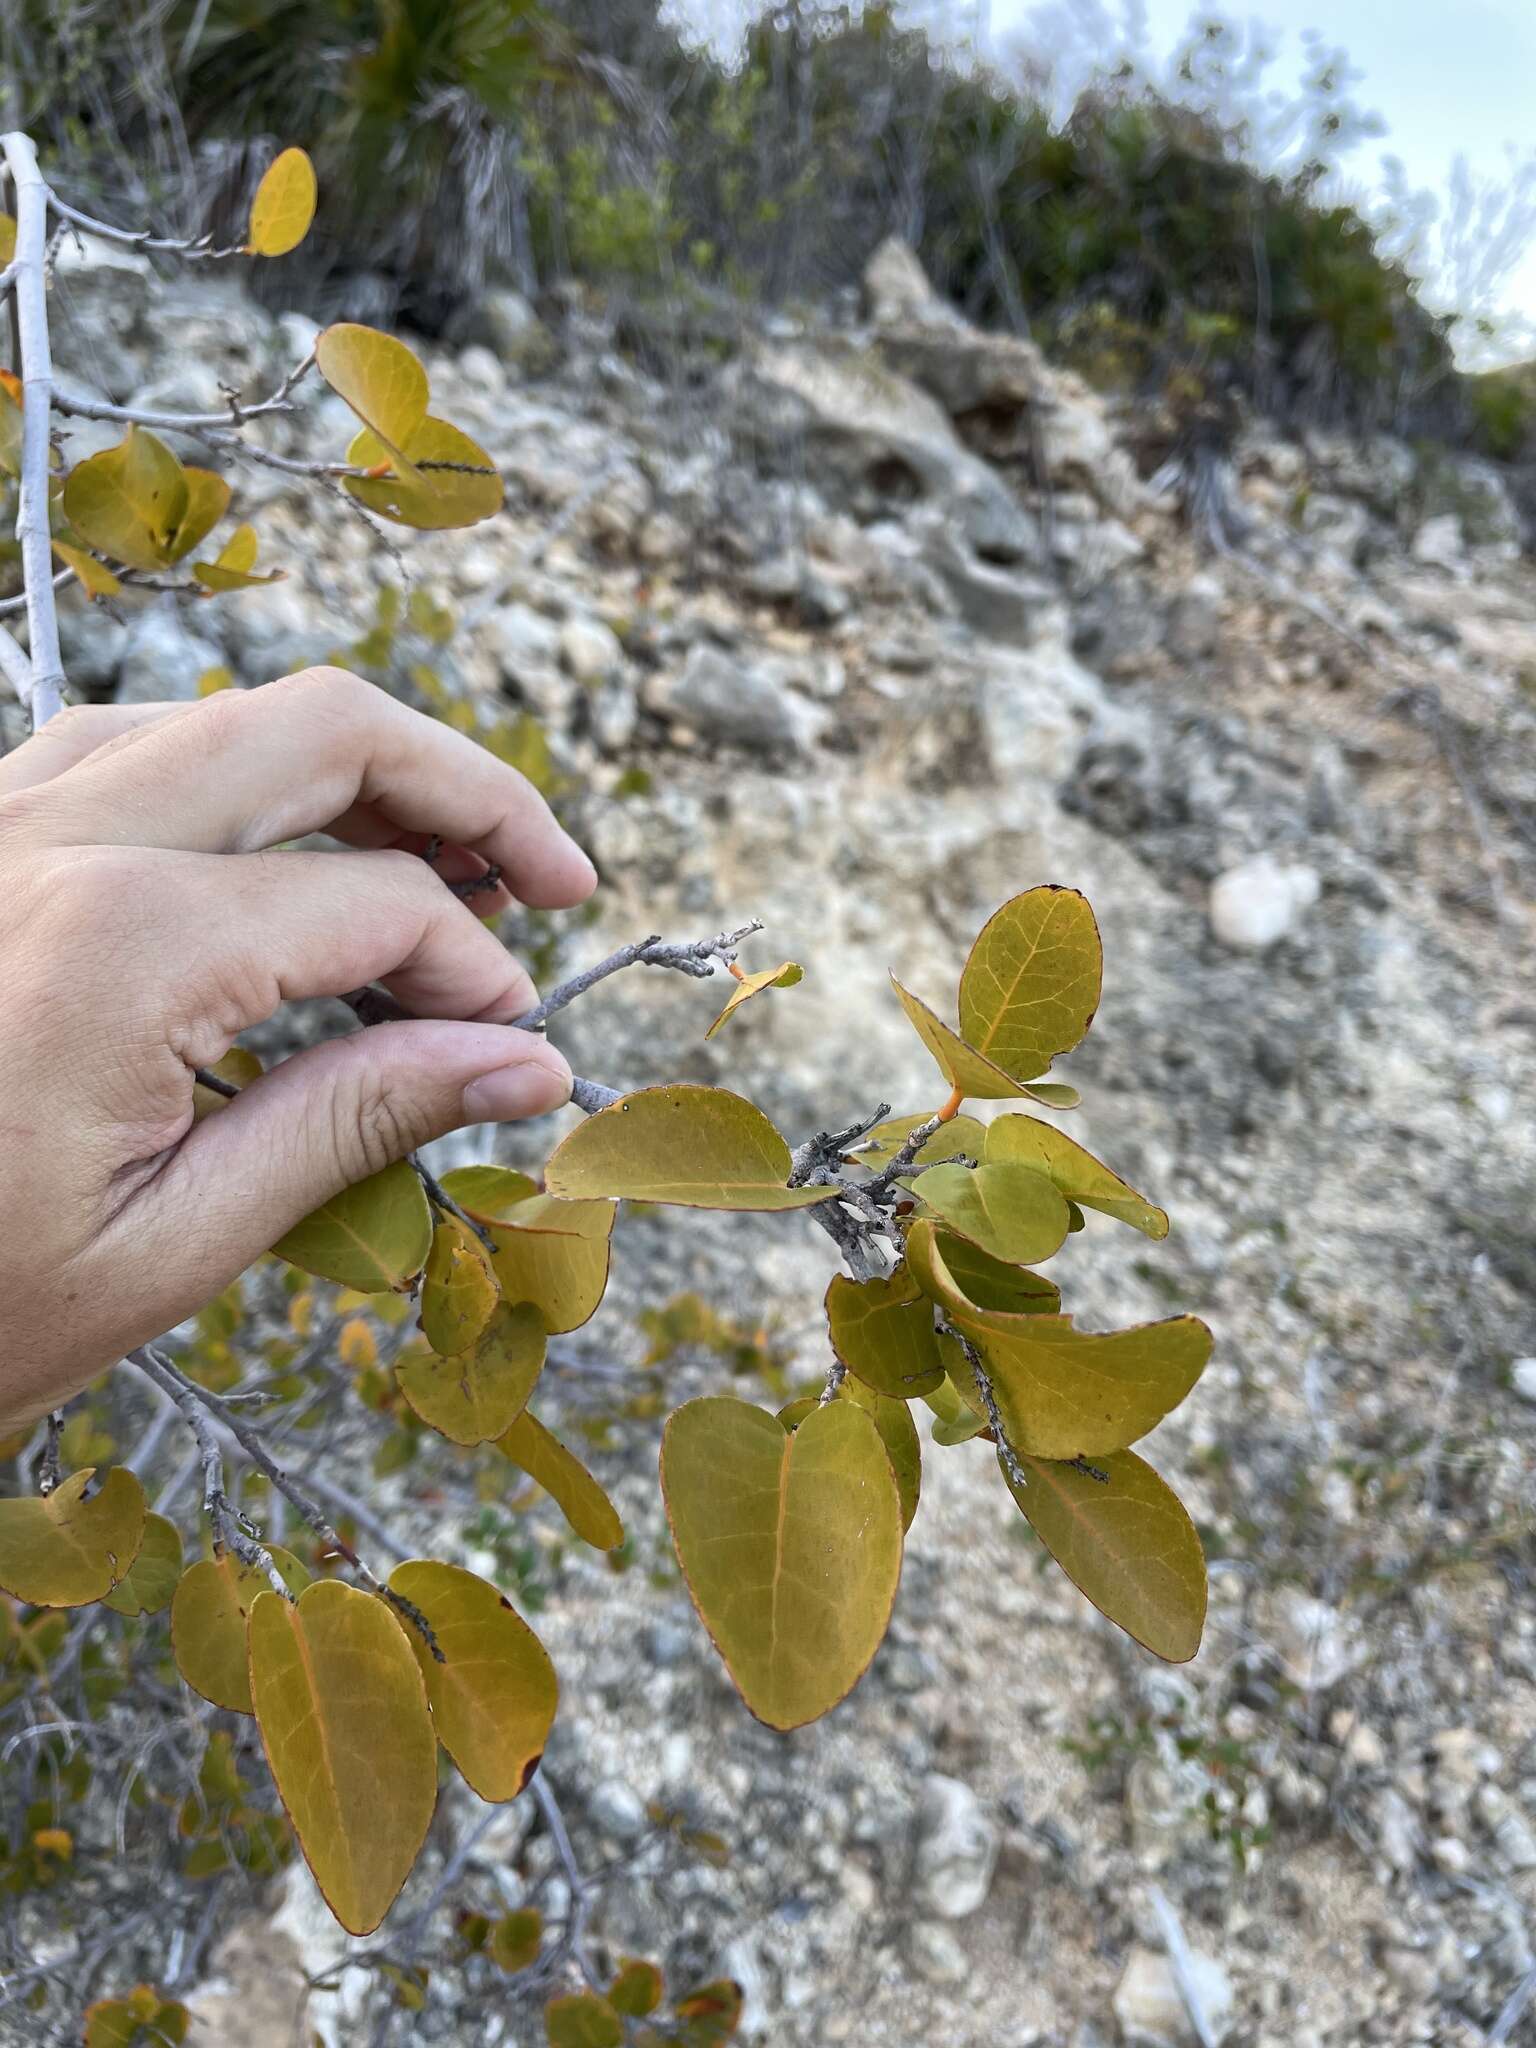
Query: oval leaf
x=791 y=1547
x=1011 y=1212
x=581 y=2019
x=127 y=502
x=151 y=1579
x=637 y=1989
x=1031 y=985
x=702 y=1148
x=208 y=1623
x=565 y=1479
x=61 y=1550
x=961 y=1065
x=458 y=1290
x=374 y=1236
x=785 y=975
x=284 y=205
x=882 y=1330
x=553 y=1254
x=516 y=1939
x=898 y=1432
x=1026 y=1141
x=464 y=490
x=944 y=1265
x=343 y=1717
x=1127 y=1543
x=493 y=1695
x=379 y=377
x=474 y=1397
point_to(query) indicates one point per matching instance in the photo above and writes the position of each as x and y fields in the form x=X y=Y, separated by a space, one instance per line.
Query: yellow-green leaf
x=474 y=1397
x=374 y=1236
x=553 y=1254
x=898 y=1432
x=961 y=1137
x=636 y=1990
x=785 y=975
x=882 y=1330
x=489 y=1192
x=539 y=1453
x=956 y=1418
x=1010 y=1211
x=1026 y=1141
x=790 y=1544
x=95 y=578
x=580 y=2019
x=380 y=378
x=7 y=238
x=151 y=1579
x=127 y=502
x=343 y=1717
x=458 y=1290
x=432 y=499
x=235 y=566
x=284 y=205
x=239 y=1066
x=961 y=1065
x=62 y=1550
x=207 y=502
x=1031 y=986
x=1127 y=1543
x=208 y=1623
x=702 y=1148
x=494 y=1693
x=943 y=1264
x=516 y=1939
x=141 y=2020
x=10 y=424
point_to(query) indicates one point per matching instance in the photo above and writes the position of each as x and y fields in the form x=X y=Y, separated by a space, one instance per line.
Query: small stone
x=1522 y=1377
x=590 y=650
x=1259 y=902
x=1439 y=542
x=738 y=703
x=1150 y=2008
x=618 y=1811
x=935 y=1954
x=956 y=1850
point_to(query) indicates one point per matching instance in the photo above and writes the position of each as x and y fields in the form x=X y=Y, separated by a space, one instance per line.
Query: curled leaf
x=442 y=479
x=63 y=1550
x=458 y=1289
x=786 y=975
x=475 y=1396
x=1012 y=1212
x=380 y=378
x=539 y=1453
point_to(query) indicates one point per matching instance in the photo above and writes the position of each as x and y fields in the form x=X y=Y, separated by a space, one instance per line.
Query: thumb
x=336 y=1113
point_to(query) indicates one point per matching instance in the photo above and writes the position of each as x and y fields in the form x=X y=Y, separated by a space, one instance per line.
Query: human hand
x=147 y=921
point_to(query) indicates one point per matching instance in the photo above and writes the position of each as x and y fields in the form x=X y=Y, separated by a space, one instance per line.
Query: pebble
x=956 y=1849
x=1259 y=902
x=1522 y=1376
x=1150 y=2008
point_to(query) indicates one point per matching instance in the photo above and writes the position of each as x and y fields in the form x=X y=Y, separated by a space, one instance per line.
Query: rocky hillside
x=859 y=631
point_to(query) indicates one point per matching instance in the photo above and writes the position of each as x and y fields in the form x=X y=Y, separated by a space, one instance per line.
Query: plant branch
x=696 y=957
x=441 y=1200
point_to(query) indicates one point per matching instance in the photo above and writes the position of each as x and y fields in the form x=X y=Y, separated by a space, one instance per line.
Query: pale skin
x=147 y=916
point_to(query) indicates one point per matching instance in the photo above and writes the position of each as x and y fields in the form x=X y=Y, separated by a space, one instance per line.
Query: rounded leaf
x=379 y=377
x=961 y=1137
x=539 y=1453
x=462 y=492
x=208 y=1613
x=1026 y=1141
x=962 y=1066
x=374 y=1236
x=62 y=1550
x=552 y=1254
x=284 y=205
x=898 y=1432
x=343 y=1716
x=1127 y=1543
x=945 y=1266
x=702 y=1148
x=515 y=1940
x=493 y=1695
x=127 y=502
x=580 y=2019
x=1012 y=1212
x=150 y=1581
x=790 y=1544
x=458 y=1290
x=1031 y=986
x=882 y=1330
x=476 y=1396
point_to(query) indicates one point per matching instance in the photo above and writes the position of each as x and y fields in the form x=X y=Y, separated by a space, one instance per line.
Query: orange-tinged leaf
x=379 y=377
x=494 y=1692
x=565 y=1479
x=374 y=1236
x=476 y=1396
x=343 y=1716
x=702 y=1148
x=882 y=1330
x=1027 y=1141
x=1031 y=986
x=208 y=1615
x=149 y=1582
x=553 y=1255
x=790 y=1545
x=580 y=2019
x=284 y=205
x=431 y=499
x=785 y=975
x=458 y=1289
x=1126 y=1542
x=62 y=1550
x=710 y=2014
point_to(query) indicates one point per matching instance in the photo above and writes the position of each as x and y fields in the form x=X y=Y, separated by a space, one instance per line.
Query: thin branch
x=441 y=1200
x=14 y=665
x=1007 y=1455
x=11 y=605
x=575 y=1933
x=195 y=247
x=45 y=695
x=696 y=957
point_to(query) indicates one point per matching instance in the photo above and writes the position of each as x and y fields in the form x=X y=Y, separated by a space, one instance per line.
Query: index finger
x=248 y=769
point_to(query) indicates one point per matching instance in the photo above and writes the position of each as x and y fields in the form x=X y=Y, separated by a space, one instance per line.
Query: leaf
x=943 y=1265
x=343 y=1717
x=702 y=1148
x=553 y=1254
x=207 y=502
x=1011 y=1212
x=7 y=238
x=961 y=1137
x=1031 y=985
x=785 y=975
x=1127 y=1544
x=239 y=1066
x=374 y=1236
x=141 y=2020
x=233 y=570
x=380 y=378
x=637 y=1989
x=284 y=205
x=493 y=1696
x=61 y=1550
x=488 y=1192
x=127 y=502
x=95 y=578
x=432 y=500
x=458 y=1290
x=476 y=1396
x=1026 y=1141
x=1064 y=1392
x=150 y=1580
x=710 y=2014
x=791 y=1547
x=208 y=1616
x=960 y=1064
x=956 y=1420
x=565 y=1479
x=516 y=1939
x=581 y=2019
x=882 y=1330
x=898 y=1432
x=10 y=424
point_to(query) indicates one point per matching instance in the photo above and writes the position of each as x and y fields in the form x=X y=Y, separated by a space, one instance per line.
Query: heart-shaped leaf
x=493 y=1691
x=146 y=1587
x=1026 y=1141
x=476 y=1396
x=882 y=1330
x=791 y=1546
x=343 y=1716
x=1126 y=1542
x=374 y=1236
x=785 y=975
x=1012 y=1212
x=458 y=1290
x=62 y=1550
x=208 y=1616
x=1031 y=986
x=539 y=1453
x=702 y=1148
x=445 y=481
x=284 y=205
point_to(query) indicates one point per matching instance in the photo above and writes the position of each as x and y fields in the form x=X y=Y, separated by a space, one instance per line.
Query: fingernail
x=529 y=1088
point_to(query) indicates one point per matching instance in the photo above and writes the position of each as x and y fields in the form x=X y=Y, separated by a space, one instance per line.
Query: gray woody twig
x=45 y=691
